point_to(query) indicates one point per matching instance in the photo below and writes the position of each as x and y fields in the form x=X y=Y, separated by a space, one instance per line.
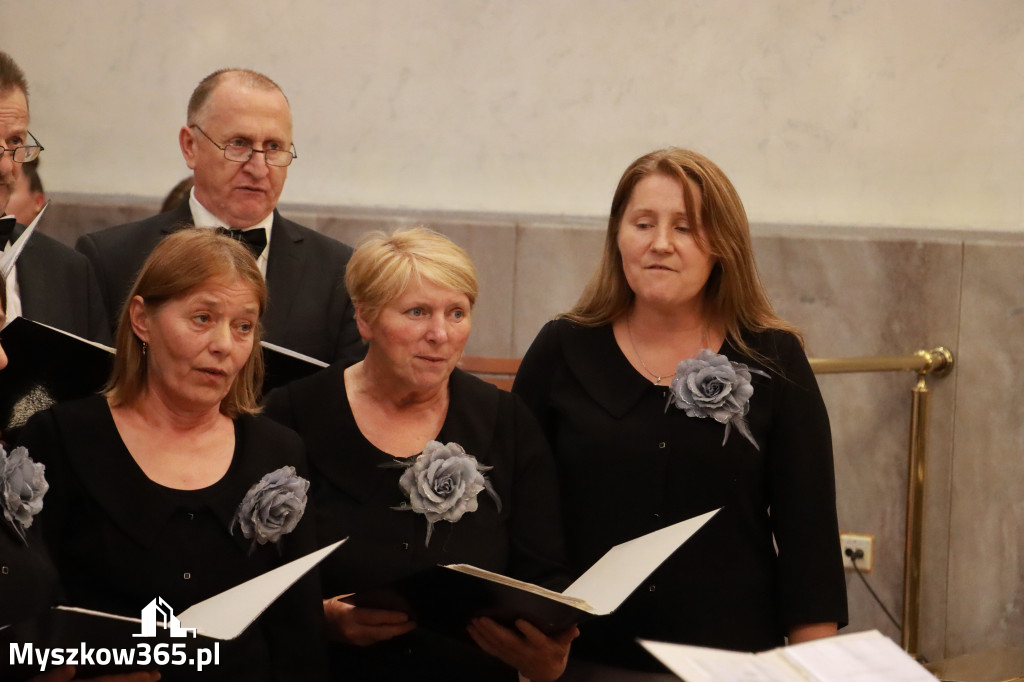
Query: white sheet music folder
x=228 y=614
x=624 y=567
x=856 y=657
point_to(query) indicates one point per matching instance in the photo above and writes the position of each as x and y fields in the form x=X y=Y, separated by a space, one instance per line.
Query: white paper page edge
x=701 y=664
x=294 y=354
x=109 y=349
x=608 y=582
x=228 y=614
x=857 y=656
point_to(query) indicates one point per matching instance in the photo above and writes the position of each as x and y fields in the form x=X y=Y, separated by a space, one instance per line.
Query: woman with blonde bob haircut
x=383 y=266
x=407 y=409
x=675 y=327
x=169 y=484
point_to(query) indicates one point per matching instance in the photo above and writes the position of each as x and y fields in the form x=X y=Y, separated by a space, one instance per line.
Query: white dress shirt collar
x=201 y=217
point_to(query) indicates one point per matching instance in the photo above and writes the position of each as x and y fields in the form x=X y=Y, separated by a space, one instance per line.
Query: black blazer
x=309 y=311
x=58 y=287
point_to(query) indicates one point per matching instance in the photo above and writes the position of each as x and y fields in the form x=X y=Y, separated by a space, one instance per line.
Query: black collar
x=137 y=505
x=323 y=405
x=597 y=363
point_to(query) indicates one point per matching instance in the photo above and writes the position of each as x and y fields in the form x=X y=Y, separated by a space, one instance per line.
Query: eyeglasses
x=240 y=152
x=26 y=152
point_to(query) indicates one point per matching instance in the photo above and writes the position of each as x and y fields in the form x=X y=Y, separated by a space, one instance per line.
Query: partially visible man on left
x=50 y=283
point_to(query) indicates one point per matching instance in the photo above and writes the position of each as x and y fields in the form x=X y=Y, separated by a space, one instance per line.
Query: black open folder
x=444 y=598
x=46 y=366
x=282 y=365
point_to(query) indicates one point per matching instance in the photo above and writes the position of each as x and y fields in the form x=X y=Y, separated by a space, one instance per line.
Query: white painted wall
x=887 y=112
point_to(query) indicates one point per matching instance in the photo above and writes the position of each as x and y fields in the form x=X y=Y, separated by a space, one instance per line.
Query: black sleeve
x=812 y=584
x=277 y=405
x=533 y=380
x=40 y=437
x=350 y=348
x=536 y=533
x=294 y=623
x=29 y=584
x=86 y=245
x=98 y=323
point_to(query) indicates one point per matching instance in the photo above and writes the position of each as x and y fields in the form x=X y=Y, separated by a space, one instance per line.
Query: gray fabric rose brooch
x=711 y=385
x=442 y=483
x=272 y=508
x=22 y=487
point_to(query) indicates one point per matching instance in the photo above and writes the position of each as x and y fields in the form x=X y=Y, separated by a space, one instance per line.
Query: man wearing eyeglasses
x=237 y=141
x=50 y=282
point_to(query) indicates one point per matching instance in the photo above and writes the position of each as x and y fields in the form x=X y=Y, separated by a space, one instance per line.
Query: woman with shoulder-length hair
x=672 y=388
x=163 y=486
x=420 y=463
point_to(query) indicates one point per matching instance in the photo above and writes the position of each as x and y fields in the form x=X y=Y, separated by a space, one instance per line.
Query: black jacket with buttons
x=627 y=466
x=119 y=539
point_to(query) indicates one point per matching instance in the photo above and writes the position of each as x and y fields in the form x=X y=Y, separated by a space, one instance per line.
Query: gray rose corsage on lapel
x=442 y=483
x=22 y=487
x=272 y=508
x=711 y=385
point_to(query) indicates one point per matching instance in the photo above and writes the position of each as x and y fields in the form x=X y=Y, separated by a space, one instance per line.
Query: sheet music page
x=701 y=664
x=614 y=576
x=100 y=614
x=858 y=657
x=293 y=354
x=228 y=614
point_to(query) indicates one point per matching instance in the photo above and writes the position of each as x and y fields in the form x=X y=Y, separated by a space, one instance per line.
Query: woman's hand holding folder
x=363 y=626
x=536 y=656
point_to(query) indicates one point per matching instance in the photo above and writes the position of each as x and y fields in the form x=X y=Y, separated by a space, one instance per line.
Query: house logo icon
x=159 y=611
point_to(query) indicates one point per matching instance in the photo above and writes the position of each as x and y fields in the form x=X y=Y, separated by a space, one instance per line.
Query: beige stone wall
x=855 y=292
x=867 y=112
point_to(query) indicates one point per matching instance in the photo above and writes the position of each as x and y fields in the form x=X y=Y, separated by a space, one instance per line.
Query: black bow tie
x=255 y=238
x=7 y=230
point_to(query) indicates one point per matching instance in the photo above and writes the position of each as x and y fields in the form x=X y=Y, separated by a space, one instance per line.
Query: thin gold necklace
x=657 y=377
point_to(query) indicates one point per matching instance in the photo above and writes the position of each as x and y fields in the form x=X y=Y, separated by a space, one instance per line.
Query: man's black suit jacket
x=58 y=287
x=309 y=311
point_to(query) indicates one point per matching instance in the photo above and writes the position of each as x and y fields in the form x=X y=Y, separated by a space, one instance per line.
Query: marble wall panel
x=863 y=296
x=554 y=260
x=872 y=297
x=70 y=216
x=491 y=245
x=986 y=558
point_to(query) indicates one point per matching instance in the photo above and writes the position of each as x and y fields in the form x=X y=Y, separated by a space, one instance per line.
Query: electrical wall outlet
x=852 y=542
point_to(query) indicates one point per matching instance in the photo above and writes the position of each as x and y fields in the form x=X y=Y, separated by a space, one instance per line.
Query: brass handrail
x=939 y=362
